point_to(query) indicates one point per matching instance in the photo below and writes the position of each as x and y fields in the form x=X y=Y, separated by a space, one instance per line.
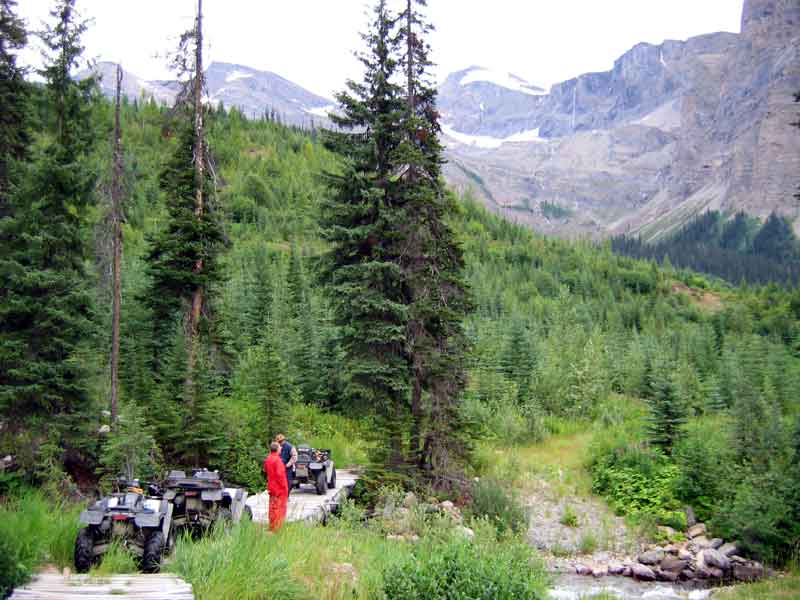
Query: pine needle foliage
x=46 y=302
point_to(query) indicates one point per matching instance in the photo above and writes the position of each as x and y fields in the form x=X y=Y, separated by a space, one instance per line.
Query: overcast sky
x=311 y=42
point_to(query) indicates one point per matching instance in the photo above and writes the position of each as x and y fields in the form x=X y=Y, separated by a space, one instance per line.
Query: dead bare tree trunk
x=116 y=234
x=196 y=308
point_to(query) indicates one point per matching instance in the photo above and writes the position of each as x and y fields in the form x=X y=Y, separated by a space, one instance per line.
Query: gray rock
x=616 y=568
x=627 y=571
x=751 y=571
x=674 y=565
x=684 y=554
x=583 y=570
x=652 y=557
x=738 y=559
x=699 y=543
x=688 y=574
x=714 y=558
x=662 y=575
x=642 y=573
x=716 y=543
x=702 y=572
x=410 y=499
x=715 y=573
x=728 y=549
x=600 y=571
x=696 y=530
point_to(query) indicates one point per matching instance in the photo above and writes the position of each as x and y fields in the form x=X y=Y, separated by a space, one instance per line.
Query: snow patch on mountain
x=488 y=142
x=506 y=80
x=321 y=111
x=235 y=75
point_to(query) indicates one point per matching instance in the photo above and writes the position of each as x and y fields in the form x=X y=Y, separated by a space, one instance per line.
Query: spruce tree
x=183 y=261
x=432 y=262
x=45 y=302
x=667 y=412
x=14 y=136
x=361 y=223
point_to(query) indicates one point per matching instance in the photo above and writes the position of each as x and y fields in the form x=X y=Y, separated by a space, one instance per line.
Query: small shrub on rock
x=502 y=508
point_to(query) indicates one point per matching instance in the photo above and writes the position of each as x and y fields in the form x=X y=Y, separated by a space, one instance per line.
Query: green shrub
x=569 y=518
x=759 y=515
x=459 y=569
x=588 y=543
x=635 y=478
x=491 y=501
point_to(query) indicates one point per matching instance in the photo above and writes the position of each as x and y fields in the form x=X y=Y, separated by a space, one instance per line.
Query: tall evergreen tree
x=14 y=137
x=361 y=222
x=183 y=260
x=432 y=261
x=45 y=303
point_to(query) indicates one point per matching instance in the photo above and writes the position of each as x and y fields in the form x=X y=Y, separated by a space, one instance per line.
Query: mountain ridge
x=670 y=131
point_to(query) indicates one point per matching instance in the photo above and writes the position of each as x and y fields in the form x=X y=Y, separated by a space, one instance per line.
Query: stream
x=580 y=587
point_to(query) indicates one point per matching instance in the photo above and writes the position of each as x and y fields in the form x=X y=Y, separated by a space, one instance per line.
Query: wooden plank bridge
x=54 y=586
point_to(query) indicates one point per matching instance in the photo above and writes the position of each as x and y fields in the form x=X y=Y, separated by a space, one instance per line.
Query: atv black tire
x=84 y=550
x=322 y=483
x=153 y=551
x=332 y=484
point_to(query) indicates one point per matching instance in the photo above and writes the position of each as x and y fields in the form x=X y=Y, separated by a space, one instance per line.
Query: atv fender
x=211 y=495
x=92 y=517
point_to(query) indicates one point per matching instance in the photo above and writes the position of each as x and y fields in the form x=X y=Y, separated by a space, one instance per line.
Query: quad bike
x=315 y=467
x=201 y=500
x=140 y=522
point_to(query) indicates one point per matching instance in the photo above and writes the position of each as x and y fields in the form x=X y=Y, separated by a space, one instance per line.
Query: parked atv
x=202 y=500
x=141 y=522
x=315 y=467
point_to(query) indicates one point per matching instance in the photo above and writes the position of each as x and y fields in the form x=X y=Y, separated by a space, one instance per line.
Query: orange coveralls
x=278 y=489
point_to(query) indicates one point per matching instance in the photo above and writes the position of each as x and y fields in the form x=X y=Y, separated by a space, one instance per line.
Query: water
x=578 y=587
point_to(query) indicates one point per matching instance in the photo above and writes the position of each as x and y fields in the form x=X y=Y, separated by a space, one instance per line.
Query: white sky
x=310 y=42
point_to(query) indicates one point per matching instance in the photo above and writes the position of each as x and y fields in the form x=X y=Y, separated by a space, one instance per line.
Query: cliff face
x=670 y=131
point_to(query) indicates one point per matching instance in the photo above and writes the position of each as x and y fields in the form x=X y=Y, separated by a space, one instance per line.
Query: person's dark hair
x=274 y=446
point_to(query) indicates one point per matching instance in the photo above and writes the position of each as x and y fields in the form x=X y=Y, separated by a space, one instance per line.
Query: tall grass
x=34 y=531
x=298 y=562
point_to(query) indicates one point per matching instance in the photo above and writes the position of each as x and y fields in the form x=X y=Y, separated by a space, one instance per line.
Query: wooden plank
x=52 y=586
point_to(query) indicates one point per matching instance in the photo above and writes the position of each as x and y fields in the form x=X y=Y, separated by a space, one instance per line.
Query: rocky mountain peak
x=672 y=130
x=777 y=19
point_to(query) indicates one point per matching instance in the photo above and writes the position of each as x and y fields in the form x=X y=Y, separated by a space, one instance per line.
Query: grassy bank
x=34 y=531
x=779 y=588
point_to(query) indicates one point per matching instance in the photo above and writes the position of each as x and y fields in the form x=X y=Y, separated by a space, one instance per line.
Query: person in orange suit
x=277 y=487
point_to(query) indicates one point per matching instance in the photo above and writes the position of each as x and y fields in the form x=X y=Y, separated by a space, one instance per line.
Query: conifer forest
x=180 y=283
